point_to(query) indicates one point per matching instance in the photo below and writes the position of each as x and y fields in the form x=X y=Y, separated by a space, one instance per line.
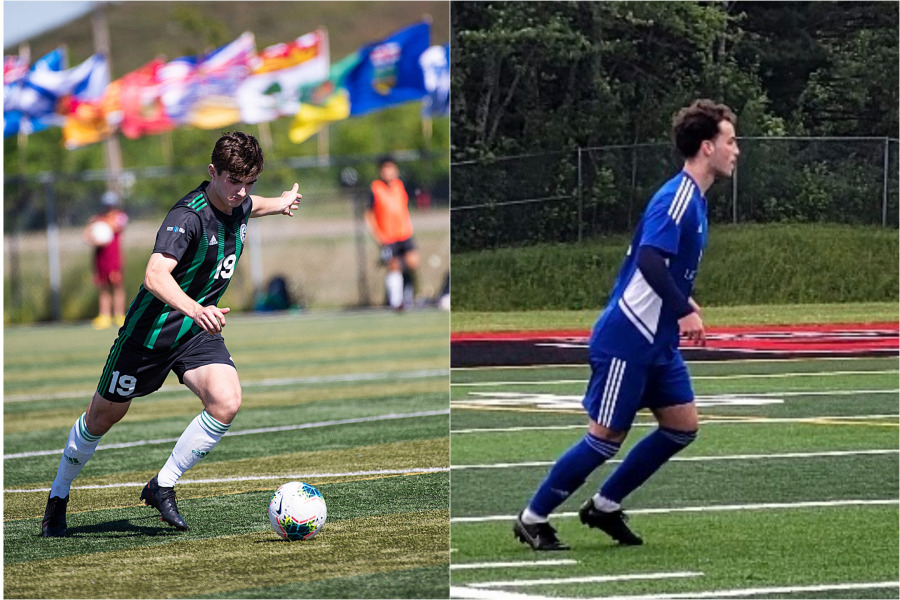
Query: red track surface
x=839 y=338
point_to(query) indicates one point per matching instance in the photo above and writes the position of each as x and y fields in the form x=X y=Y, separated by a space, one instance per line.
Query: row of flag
x=228 y=85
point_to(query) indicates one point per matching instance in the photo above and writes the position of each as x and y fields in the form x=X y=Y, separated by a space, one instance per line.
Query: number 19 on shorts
x=123 y=385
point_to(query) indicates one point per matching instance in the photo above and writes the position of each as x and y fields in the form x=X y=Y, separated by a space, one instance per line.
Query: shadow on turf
x=122 y=528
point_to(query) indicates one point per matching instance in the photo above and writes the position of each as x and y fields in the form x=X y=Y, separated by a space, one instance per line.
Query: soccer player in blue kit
x=174 y=324
x=633 y=351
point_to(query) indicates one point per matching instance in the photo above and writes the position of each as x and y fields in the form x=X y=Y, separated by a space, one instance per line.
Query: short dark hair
x=239 y=154
x=386 y=158
x=697 y=123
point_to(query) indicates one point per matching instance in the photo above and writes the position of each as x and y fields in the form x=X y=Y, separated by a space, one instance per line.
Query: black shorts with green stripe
x=132 y=370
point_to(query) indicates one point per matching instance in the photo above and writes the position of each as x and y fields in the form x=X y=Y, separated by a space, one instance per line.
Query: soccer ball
x=100 y=233
x=297 y=511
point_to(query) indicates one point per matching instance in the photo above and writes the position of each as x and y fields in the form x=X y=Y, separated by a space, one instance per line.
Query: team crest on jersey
x=243 y=232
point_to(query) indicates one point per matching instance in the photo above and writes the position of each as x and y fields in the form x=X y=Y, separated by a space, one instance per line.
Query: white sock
x=530 y=518
x=604 y=504
x=198 y=439
x=393 y=281
x=79 y=449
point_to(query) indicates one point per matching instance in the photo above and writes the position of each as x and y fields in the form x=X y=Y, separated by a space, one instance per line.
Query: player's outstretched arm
x=284 y=204
x=159 y=281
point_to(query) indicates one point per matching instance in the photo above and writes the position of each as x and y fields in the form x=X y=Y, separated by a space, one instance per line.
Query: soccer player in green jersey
x=174 y=324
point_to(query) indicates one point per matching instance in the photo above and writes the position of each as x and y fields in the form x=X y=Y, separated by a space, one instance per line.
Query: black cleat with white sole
x=614 y=523
x=540 y=536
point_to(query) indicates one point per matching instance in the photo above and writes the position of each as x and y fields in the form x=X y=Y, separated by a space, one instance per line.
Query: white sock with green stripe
x=79 y=449
x=198 y=439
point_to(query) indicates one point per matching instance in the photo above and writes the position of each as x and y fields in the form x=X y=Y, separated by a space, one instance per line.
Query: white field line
x=787 y=589
x=372 y=419
x=288 y=476
x=587 y=579
x=783 y=455
x=512 y=565
x=736 y=421
x=693 y=377
x=707 y=508
x=483 y=594
x=263 y=383
x=788 y=394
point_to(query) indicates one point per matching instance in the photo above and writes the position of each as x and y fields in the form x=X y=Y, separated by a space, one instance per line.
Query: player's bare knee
x=102 y=414
x=605 y=433
x=224 y=404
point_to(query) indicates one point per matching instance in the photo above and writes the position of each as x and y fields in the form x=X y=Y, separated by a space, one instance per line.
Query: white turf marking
x=264 y=383
x=293 y=477
x=708 y=508
x=508 y=565
x=693 y=377
x=830 y=453
x=736 y=421
x=827 y=587
x=587 y=579
x=388 y=417
x=482 y=594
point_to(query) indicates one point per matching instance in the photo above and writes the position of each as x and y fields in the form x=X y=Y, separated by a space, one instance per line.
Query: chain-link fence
x=567 y=196
x=325 y=253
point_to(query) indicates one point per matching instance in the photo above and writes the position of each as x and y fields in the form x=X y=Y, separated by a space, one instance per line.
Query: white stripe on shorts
x=611 y=391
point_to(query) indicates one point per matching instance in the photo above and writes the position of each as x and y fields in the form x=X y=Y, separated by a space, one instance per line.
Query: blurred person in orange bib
x=390 y=224
x=104 y=232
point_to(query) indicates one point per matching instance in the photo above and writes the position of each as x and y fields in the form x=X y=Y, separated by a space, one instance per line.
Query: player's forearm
x=263 y=207
x=373 y=227
x=161 y=284
x=652 y=265
x=284 y=204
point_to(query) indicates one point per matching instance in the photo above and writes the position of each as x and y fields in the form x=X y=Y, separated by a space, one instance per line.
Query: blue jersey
x=636 y=325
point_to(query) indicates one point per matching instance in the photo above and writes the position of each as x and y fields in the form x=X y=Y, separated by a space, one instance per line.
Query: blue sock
x=644 y=460
x=570 y=471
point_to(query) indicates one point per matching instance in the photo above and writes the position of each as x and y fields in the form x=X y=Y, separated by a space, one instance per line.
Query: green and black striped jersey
x=207 y=244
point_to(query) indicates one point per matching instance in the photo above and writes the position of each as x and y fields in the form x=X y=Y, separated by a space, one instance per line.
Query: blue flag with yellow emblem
x=389 y=72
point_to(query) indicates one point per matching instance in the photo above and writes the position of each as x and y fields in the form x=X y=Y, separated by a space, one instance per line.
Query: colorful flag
x=325 y=102
x=15 y=67
x=140 y=102
x=389 y=72
x=31 y=102
x=217 y=77
x=273 y=88
x=436 y=67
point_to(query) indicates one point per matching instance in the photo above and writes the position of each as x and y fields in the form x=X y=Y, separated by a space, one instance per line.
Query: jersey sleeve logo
x=176 y=229
x=243 y=232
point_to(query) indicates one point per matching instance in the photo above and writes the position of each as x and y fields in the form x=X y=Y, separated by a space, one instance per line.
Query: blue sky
x=26 y=19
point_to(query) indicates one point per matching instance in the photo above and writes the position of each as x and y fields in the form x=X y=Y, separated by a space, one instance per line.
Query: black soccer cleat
x=54 y=523
x=614 y=523
x=540 y=536
x=163 y=500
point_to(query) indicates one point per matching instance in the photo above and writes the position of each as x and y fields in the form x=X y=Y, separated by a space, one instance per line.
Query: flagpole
x=113 y=150
x=323 y=138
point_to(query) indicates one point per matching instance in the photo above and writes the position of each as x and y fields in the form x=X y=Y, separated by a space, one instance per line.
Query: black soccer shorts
x=132 y=370
x=398 y=249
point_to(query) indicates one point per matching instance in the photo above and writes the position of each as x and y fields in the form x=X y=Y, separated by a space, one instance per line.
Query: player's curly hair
x=698 y=122
x=239 y=154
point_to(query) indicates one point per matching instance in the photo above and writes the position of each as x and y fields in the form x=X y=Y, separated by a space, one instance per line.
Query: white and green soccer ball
x=297 y=511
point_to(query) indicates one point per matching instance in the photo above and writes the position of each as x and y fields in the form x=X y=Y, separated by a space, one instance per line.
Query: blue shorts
x=618 y=389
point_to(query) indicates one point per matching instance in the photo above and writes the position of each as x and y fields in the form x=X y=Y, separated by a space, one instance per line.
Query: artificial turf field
x=355 y=404
x=790 y=491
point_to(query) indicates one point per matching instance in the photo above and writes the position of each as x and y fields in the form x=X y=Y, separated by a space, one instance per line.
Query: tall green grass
x=743 y=265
